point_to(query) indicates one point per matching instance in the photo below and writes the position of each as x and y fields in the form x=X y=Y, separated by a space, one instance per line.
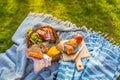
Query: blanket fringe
x=53 y=19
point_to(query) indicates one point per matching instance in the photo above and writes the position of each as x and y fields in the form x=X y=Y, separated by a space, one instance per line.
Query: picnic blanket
x=104 y=63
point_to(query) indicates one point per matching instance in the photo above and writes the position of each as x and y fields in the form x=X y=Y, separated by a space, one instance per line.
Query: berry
x=78 y=39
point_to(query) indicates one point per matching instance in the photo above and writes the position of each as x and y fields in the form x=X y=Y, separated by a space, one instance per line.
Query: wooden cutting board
x=84 y=53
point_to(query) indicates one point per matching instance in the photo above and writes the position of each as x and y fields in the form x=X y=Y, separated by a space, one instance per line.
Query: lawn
x=100 y=15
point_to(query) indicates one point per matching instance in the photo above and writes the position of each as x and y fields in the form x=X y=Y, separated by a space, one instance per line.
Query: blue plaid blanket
x=104 y=63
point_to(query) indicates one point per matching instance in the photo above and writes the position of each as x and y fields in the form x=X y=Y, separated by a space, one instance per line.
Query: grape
x=34 y=36
x=29 y=31
x=38 y=42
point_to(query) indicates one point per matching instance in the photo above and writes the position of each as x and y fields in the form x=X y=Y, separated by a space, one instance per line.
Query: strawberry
x=78 y=39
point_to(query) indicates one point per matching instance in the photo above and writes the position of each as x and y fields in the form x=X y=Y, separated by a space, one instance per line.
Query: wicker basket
x=30 y=42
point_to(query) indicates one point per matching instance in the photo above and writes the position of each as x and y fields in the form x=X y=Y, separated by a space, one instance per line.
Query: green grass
x=100 y=15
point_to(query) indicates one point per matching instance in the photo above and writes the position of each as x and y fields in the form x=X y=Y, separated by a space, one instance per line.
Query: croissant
x=70 y=46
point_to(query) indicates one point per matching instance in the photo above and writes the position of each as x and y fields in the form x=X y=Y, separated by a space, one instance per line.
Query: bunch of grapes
x=34 y=37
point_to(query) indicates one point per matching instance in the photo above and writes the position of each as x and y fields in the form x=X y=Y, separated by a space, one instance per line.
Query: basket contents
x=53 y=51
x=45 y=48
x=41 y=43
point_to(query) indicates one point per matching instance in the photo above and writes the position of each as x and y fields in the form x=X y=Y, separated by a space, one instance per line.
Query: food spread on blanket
x=75 y=50
x=45 y=48
x=70 y=46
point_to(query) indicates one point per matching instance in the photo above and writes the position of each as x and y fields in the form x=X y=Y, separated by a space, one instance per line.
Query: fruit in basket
x=44 y=37
x=41 y=34
x=29 y=31
x=34 y=37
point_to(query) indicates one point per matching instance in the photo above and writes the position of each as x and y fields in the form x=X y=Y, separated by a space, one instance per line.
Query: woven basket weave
x=30 y=42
